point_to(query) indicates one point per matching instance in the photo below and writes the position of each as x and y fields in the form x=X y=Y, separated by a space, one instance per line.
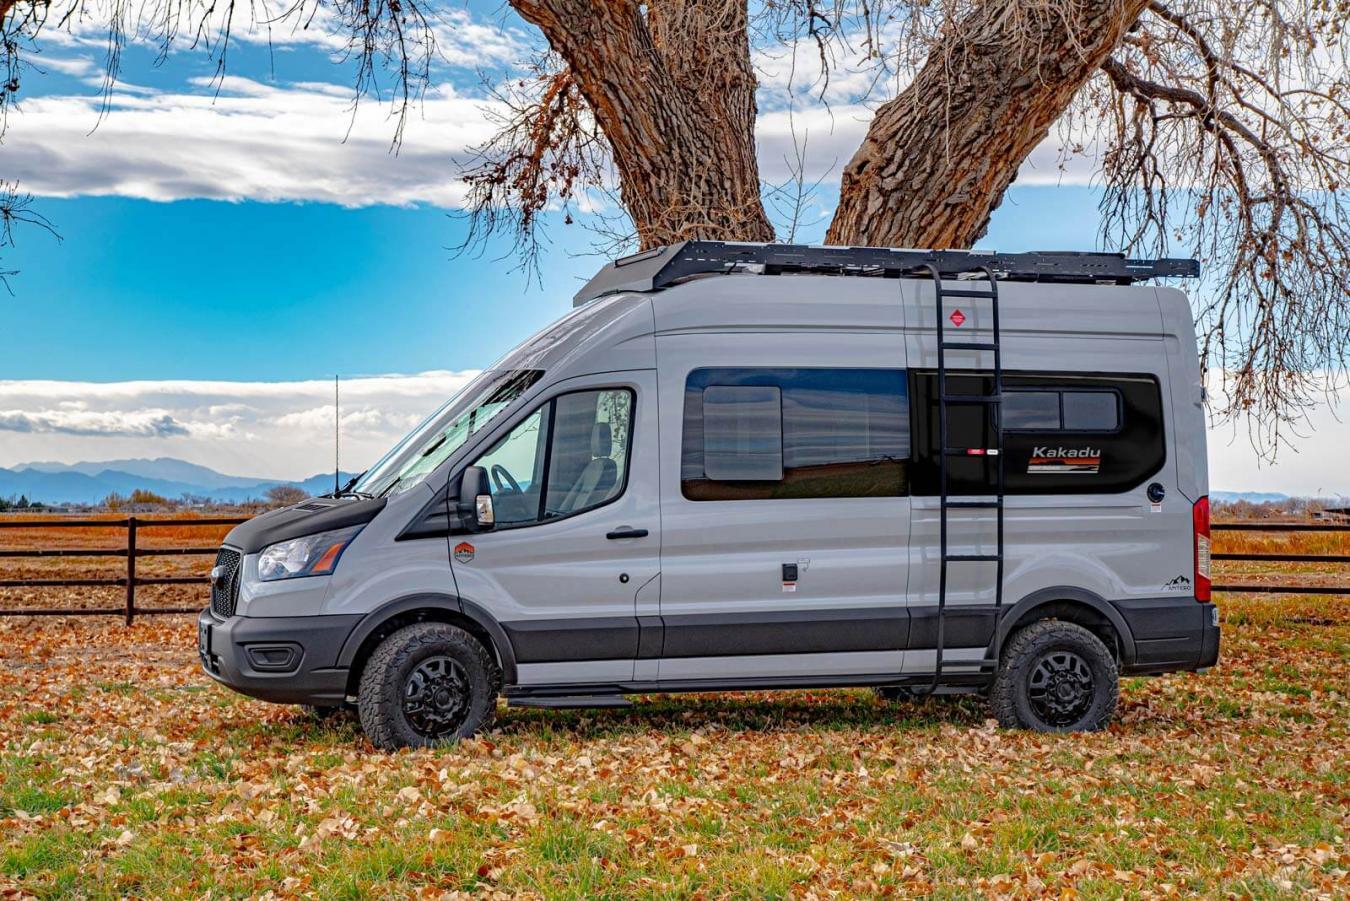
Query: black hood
x=318 y=515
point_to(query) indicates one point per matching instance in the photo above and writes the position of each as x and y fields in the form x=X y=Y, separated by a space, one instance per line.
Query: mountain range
x=90 y=482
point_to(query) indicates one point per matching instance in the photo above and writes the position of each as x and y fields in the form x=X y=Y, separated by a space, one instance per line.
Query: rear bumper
x=1170 y=634
x=287 y=660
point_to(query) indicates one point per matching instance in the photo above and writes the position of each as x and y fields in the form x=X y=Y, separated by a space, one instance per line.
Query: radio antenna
x=337 y=437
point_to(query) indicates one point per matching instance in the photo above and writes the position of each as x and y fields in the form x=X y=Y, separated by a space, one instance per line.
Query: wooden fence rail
x=1282 y=558
x=132 y=553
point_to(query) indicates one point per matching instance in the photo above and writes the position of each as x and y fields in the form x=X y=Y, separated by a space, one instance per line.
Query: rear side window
x=1067 y=410
x=755 y=434
x=1063 y=434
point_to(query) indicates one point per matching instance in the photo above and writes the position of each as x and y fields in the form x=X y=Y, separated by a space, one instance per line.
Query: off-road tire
x=1068 y=649
x=384 y=681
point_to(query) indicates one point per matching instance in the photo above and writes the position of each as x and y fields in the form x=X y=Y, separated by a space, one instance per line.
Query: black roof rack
x=661 y=267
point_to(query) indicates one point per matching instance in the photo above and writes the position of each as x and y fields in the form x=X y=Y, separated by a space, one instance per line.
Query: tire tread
x=378 y=696
x=1026 y=642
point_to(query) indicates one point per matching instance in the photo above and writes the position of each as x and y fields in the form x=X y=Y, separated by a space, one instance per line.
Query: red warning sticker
x=464 y=552
x=958 y=318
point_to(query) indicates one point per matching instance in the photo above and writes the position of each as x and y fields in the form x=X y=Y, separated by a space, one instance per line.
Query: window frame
x=1060 y=392
x=548 y=454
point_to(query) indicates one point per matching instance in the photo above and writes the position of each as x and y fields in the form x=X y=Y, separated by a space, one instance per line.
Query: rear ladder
x=994 y=404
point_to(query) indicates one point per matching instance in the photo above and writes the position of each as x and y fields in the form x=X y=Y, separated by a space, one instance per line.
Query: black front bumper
x=287 y=660
x=1170 y=634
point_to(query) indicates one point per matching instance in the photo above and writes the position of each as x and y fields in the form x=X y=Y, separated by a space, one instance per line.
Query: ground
x=125 y=772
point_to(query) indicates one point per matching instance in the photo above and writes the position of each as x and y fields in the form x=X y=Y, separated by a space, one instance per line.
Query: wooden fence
x=1282 y=558
x=131 y=552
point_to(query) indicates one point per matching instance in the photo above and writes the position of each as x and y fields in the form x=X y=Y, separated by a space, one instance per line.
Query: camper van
x=749 y=467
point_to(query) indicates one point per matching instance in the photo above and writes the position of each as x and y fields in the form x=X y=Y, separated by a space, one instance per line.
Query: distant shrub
x=285 y=495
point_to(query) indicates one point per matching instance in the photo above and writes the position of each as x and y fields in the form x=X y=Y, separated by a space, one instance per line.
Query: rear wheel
x=1055 y=677
x=427 y=684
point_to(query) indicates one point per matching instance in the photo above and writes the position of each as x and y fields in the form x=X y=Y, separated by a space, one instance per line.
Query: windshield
x=445 y=431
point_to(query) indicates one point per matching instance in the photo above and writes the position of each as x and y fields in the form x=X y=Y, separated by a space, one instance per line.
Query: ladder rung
x=969 y=345
x=966 y=292
x=972 y=558
x=972 y=398
x=975 y=505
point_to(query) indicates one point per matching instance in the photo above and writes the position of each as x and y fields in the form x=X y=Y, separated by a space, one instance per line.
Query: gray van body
x=701 y=600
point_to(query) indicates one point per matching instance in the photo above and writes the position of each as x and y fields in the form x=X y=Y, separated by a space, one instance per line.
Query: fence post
x=131 y=568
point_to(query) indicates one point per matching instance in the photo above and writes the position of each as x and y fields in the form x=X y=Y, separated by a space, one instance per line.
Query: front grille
x=225 y=590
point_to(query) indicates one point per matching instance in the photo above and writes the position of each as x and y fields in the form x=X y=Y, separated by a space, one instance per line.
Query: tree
x=1219 y=126
x=285 y=495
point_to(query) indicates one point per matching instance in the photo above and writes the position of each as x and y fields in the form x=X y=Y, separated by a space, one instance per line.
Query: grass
x=124 y=773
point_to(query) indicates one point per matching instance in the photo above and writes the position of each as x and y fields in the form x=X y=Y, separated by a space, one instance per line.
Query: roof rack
x=661 y=267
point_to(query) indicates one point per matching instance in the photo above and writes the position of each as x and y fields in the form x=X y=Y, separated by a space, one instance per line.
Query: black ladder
x=993 y=403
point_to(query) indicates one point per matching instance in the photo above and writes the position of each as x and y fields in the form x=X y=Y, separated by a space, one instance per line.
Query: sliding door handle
x=626 y=532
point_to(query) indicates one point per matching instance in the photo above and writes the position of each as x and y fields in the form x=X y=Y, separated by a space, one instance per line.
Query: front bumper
x=284 y=659
x=1171 y=634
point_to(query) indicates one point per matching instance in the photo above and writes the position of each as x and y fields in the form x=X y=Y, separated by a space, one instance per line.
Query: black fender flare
x=450 y=603
x=1082 y=596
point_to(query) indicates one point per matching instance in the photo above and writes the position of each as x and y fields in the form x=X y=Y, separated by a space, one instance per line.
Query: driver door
x=577 y=530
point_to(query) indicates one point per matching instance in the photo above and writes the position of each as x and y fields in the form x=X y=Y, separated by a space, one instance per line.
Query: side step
x=560 y=702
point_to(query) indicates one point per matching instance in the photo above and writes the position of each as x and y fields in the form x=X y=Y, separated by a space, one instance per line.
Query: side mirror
x=475 y=499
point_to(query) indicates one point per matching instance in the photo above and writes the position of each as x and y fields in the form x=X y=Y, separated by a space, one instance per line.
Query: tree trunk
x=938 y=158
x=674 y=92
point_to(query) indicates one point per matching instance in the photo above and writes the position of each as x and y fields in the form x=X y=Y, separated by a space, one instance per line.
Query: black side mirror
x=475 y=500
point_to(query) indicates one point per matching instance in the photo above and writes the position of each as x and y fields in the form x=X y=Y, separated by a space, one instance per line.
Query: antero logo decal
x=1065 y=459
x=464 y=552
x=1180 y=583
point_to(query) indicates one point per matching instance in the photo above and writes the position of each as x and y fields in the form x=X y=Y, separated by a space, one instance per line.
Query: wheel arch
x=375 y=626
x=1075 y=605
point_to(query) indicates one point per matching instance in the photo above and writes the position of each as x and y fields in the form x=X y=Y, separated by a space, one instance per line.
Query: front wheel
x=427 y=684
x=1055 y=677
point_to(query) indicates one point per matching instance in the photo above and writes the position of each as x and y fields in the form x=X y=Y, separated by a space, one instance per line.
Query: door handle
x=625 y=532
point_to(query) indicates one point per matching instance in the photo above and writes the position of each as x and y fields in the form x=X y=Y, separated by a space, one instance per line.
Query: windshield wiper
x=346 y=490
x=435 y=444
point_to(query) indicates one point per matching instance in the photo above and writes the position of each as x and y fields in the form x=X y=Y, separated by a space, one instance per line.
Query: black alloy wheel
x=1055 y=676
x=1060 y=688
x=436 y=697
x=427 y=684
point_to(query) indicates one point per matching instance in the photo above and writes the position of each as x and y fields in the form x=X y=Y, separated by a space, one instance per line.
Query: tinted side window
x=1069 y=410
x=1090 y=411
x=1030 y=410
x=743 y=433
x=795 y=433
x=1063 y=434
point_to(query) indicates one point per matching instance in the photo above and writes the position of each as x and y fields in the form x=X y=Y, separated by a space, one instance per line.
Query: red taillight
x=1200 y=516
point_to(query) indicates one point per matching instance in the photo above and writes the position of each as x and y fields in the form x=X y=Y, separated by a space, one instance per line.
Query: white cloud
x=264 y=429
x=243 y=139
x=67 y=421
x=254 y=141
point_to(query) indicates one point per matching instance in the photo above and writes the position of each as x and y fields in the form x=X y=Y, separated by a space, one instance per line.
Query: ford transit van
x=744 y=466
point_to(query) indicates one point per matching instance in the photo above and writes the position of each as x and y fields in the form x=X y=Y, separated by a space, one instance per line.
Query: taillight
x=1200 y=516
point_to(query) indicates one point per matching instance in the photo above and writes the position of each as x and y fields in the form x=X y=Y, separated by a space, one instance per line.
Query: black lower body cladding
x=1170 y=634
x=288 y=660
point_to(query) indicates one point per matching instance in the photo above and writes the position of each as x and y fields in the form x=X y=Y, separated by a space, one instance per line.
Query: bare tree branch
x=16 y=209
x=1227 y=135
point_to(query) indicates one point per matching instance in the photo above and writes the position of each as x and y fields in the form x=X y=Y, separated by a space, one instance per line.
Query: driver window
x=577 y=442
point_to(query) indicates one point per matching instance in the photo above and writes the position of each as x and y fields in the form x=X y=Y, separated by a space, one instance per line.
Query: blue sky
x=228 y=290
x=251 y=237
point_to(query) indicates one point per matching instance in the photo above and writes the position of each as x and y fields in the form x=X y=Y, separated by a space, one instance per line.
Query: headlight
x=313 y=555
